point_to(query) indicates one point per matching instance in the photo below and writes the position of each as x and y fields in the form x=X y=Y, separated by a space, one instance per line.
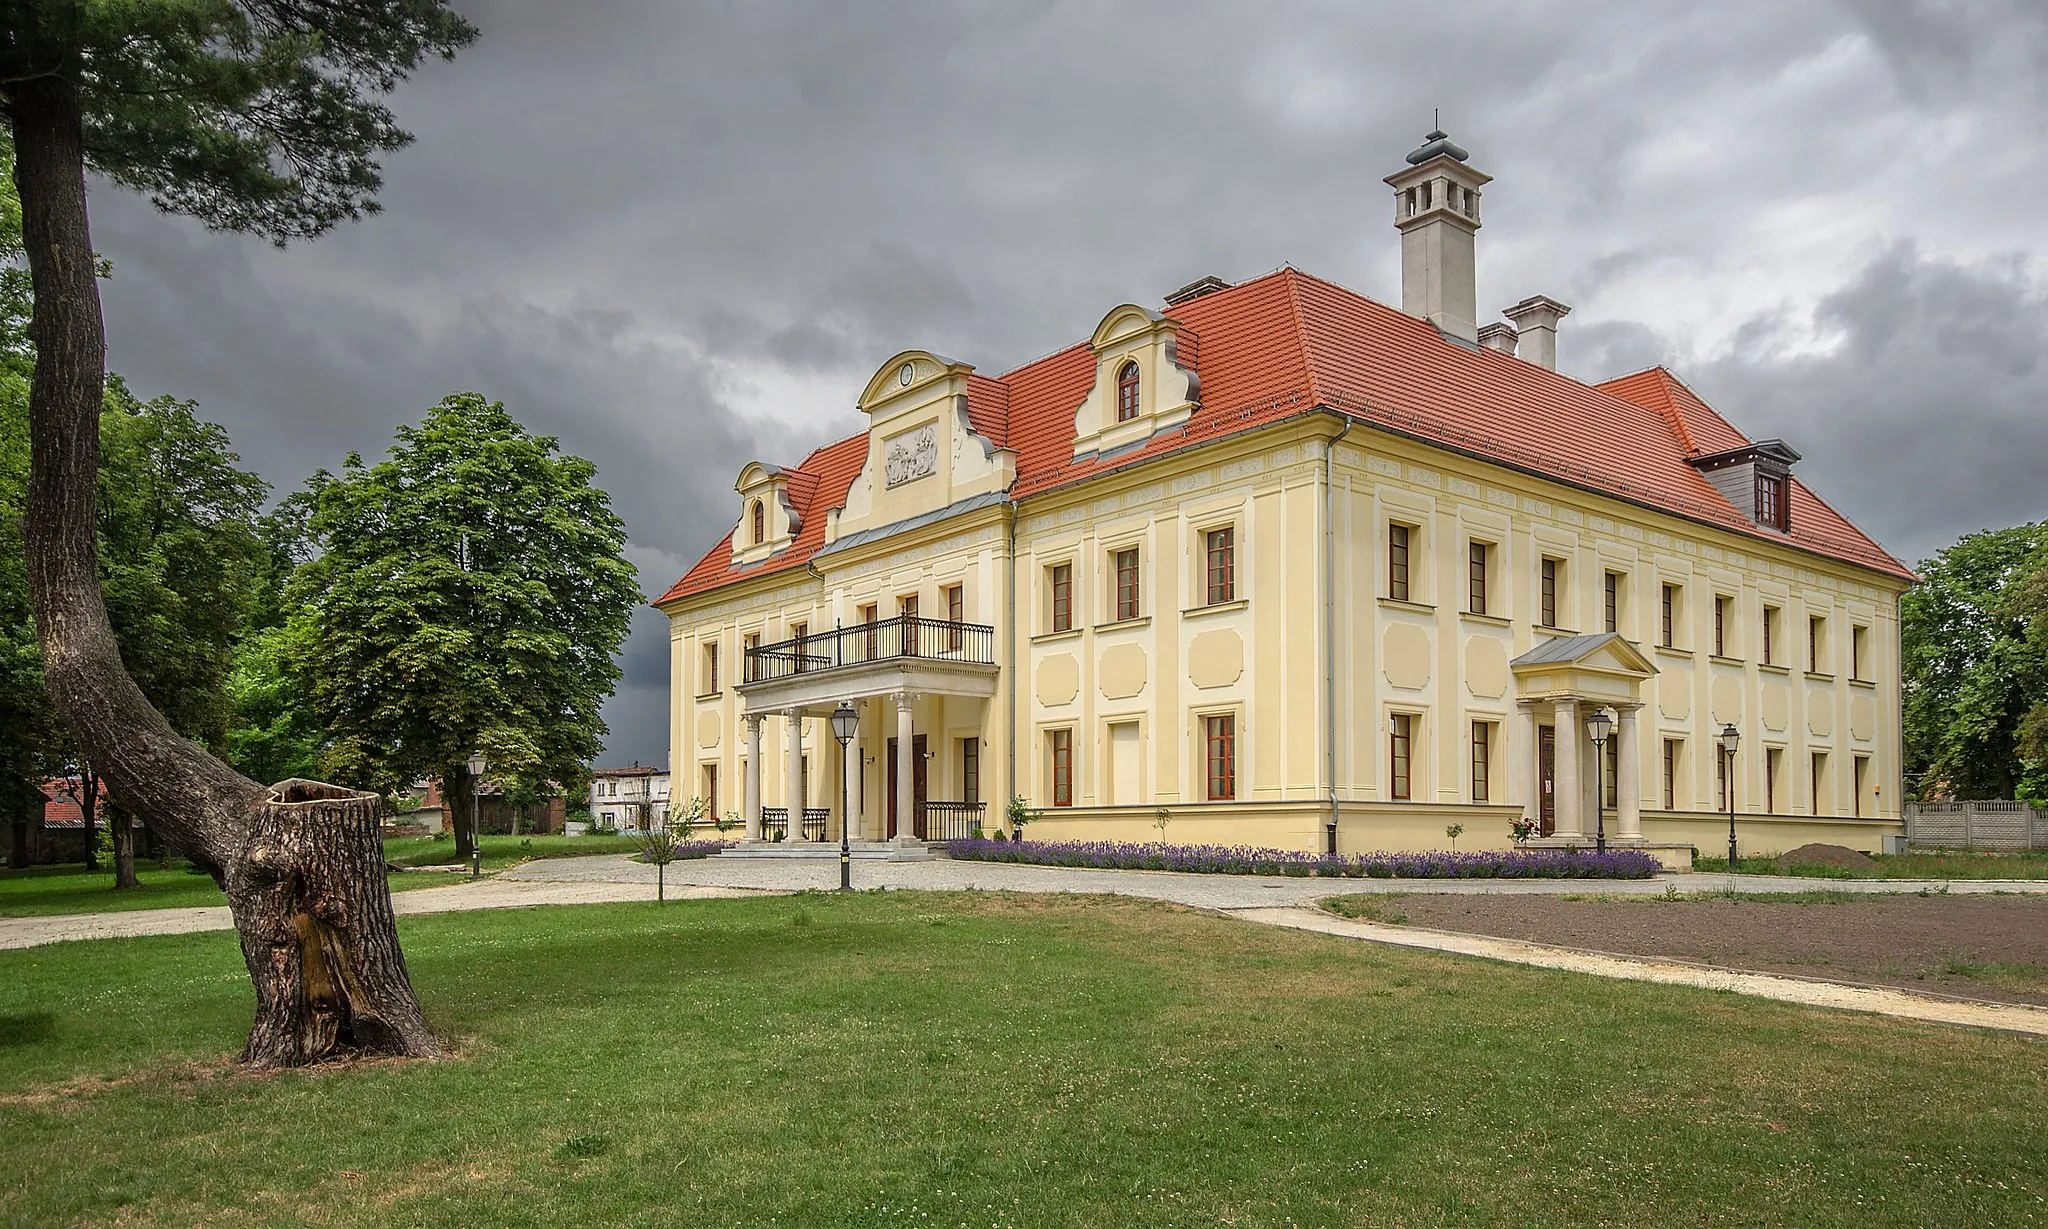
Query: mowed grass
x=2017 y=865
x=992 y=1060
x=504 y=850
x=43 y=891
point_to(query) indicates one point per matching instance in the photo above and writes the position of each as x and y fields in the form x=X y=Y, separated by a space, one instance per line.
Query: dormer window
x=760 y=515
x=1773 y=508
x=768 y=520
x=1127 y=392
x=1757 y=479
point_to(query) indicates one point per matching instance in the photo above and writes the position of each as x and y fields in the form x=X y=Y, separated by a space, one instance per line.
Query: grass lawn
x=992 y=1060
x=2018 y=865
x=41 y=891
x=503 y=851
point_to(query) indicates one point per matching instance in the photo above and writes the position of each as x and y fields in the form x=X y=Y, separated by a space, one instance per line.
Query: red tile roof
x=1287 y=343
x=60 y=803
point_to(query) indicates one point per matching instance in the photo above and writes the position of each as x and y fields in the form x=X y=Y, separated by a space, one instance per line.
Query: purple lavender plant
x=1252 y=860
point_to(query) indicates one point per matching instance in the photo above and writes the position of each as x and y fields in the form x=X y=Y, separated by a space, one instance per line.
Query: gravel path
x=1273 y=901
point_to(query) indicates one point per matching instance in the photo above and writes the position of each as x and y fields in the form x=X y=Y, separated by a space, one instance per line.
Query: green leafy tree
x=471 y=591
x=1975 y=640
x=260 y=116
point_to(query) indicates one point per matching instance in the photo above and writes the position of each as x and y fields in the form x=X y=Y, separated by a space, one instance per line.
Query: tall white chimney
x=1536 y=320
x=1436 y=209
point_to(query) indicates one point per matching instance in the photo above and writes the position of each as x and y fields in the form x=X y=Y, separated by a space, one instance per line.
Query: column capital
x=904 y=698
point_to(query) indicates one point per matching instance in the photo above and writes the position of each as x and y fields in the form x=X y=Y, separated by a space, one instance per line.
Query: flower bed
x=1250 y=860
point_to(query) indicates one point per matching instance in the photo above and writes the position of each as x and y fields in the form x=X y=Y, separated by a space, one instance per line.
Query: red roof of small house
x=1288 y=343
x=60 y=805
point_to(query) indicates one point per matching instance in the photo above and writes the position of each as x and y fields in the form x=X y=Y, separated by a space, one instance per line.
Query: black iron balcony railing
x=882 y=640
x=775 y=823
x=949 y=821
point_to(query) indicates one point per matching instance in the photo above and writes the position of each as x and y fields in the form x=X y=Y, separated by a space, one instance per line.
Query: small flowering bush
x=1250 y=860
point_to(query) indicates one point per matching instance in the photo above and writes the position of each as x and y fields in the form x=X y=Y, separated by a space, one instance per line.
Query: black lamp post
x=1730 y=739
x=845 y=723
x=1596 y=727
x=476 y=814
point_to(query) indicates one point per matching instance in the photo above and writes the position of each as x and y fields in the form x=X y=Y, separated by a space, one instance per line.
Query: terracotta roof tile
x=1287 y=343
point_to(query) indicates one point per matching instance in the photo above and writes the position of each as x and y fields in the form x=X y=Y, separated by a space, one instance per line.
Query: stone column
x=1628 y=775
x=1567 y=800
x=906 y=782
x=793 y=776
x=1529 y=764
x=751 y=801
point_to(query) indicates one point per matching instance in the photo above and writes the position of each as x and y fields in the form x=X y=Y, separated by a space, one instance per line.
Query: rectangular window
x=1817 y=770
x=750 y=645
x=1220 y=733
x=1774 y=758
x=1609 y=756
x=1816 y=629
x=870 y=615
x=1220 y=545
x=1127 y=584
x=1479 y=551
x=956 y=614
x=1720 y=626
x=1669 y=615
x=710 y=791
x=1671 y=761
x=1061 y=744
x=1402 y=727
x=1773 y=505
x=1397 y=562
x=1611 y=602
x=1550 y=567
x=1857 y=637
x=710 y=681
x=970 y=770
x=1721 y=777
x=1482 y=761
x=1859 y=778
x=798 y=657
x=1769 y=627
x=1060 y=576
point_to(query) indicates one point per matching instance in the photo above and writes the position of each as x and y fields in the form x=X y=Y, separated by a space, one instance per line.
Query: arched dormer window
x=760 y=523
x=1127 y=392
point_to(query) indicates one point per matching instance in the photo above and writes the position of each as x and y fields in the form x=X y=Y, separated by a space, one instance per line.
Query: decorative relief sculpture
x=911 y=455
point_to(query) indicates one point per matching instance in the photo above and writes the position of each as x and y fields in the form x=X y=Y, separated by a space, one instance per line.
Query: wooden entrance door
x=917 y=778
x=1547 y=757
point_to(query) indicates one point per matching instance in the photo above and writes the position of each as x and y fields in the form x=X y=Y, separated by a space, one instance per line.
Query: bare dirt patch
x=1983 y=947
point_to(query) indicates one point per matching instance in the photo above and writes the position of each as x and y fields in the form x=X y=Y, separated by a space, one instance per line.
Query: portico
x=887 y=669
x=1559 y=684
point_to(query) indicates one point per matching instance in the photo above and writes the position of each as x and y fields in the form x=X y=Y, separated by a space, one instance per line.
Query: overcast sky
x=681 y=235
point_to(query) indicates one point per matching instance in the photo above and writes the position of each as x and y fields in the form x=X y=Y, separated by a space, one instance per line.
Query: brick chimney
x=1436 y=209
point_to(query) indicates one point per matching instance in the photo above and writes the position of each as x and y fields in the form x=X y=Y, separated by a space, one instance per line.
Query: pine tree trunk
x=314 y=912
x=303 y=857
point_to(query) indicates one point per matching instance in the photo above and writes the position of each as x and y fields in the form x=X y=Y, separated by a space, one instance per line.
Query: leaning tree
x=258 y=116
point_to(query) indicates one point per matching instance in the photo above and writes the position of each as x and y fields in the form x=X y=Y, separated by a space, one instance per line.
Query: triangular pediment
x=1606 y=652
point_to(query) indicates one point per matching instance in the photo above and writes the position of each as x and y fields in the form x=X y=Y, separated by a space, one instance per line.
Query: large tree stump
x=318 y=933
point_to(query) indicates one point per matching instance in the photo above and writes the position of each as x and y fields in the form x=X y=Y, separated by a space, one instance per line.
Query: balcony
x=815 y=671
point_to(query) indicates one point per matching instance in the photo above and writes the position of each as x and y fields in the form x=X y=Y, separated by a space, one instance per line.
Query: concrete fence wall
x=1976 y=825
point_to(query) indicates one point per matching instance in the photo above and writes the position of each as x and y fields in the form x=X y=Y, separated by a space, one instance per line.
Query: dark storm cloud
x=680 y=235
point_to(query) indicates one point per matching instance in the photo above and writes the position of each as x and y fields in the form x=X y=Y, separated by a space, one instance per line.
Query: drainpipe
x=1330 y=622
x=1010 y=650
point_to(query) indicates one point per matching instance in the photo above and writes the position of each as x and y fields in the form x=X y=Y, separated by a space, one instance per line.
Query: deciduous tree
x=1975 y=640
x=258 y=116
x=469 y=591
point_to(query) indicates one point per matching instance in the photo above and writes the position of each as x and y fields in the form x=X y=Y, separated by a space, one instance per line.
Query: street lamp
x=1730 y=739
x=476 y=766
x=1596 y=727
x=845 y=724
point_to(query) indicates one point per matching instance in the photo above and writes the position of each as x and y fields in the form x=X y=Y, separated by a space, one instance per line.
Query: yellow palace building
x=1277 y=564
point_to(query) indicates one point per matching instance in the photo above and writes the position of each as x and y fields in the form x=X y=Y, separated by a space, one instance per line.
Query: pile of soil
x=1981 y=947
x=1827 y=855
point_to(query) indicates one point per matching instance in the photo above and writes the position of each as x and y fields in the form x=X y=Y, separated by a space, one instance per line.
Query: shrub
x=1251 y=860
